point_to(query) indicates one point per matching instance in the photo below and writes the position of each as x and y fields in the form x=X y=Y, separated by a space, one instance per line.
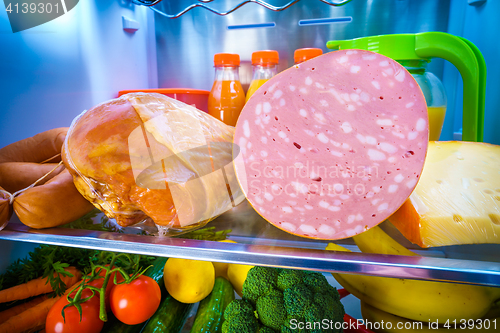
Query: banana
x=413 y=299
x=375 y=240
x=384 y=322
x=221 y=267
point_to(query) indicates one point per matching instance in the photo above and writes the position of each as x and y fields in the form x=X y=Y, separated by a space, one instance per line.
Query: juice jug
x=264 y=67
x=227 y=98
x=434 y=94
x=414 y=51
x=301 y=55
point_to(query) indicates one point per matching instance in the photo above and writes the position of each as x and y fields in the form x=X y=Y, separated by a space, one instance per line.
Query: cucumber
x=155 y=272
x=209 y=317
x=170 y=317
x=113 y=325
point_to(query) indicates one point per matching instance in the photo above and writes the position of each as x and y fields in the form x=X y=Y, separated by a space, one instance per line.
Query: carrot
x=32 y=317
x=6 y=314
x=38 y=329
x=36 y=287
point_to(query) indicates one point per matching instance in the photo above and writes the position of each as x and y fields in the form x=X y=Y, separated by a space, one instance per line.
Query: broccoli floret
x=292 y=322
x=244 y=324
x=236 y=308
x=324 y=300
x=332 y=309
x=316 y=282
x=288 y=278
x=330 y=303
x=297 y=299
x=265 y=329
x=271 y=309
x=314 y=314
x=285 y=297
x=287 y=328
x=259 y=282
x=239 y=317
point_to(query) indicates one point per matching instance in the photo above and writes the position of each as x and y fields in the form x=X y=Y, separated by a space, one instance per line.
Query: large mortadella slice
x=333 y=146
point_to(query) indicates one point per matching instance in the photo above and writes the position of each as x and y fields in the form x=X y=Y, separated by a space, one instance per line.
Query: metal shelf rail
x=265 y=4
x=422 y=268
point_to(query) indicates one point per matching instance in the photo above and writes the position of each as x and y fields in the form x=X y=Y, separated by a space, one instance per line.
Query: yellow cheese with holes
x=457 y=199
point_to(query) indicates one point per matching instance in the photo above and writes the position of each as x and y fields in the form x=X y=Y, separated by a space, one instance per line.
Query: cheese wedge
x=457 y=199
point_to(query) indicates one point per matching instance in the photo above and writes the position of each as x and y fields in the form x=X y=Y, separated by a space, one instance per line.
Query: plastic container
x=301 y=55
x=227 y=98
x=264 y=67
x=195 y=97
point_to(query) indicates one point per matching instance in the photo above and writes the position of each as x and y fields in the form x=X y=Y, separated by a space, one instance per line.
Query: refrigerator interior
x=54 y=71
x=49 y=74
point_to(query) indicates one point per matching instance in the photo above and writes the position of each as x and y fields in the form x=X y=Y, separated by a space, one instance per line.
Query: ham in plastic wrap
x=150 y=156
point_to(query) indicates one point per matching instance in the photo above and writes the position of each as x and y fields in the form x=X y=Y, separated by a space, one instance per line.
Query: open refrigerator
x=53 y=71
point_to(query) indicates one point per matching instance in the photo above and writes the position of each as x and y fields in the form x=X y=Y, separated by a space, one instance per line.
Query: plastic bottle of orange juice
x=226 y=99
x=264 y=66
x=301 y=55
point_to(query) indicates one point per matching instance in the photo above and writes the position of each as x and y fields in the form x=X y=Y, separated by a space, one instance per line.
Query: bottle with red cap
x=301 y=55
x=264 y=66
x=226 y=99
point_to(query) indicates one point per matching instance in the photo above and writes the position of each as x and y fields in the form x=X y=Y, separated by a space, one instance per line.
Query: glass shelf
x=260 y=243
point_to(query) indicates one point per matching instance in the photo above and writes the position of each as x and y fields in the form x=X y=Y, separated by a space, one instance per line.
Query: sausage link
x=15 y=176
x=55 y=203
x=36 y=149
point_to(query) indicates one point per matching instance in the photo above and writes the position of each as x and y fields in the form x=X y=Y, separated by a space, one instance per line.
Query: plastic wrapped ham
x=333 y=146
x=148 y=156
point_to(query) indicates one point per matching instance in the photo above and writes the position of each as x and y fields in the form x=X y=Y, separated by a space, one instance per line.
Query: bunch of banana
x=395 y=324
x=413 y=299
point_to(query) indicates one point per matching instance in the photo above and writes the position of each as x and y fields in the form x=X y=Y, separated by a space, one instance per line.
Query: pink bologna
x=333 y=146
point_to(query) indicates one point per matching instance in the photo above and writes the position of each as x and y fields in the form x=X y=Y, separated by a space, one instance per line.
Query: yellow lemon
x=188 y=281
x=237 y=275
x=221 y=267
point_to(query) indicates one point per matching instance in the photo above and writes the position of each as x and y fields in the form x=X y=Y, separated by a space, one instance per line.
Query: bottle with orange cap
x=264 y=67
x=301 y=55
x=226 y=99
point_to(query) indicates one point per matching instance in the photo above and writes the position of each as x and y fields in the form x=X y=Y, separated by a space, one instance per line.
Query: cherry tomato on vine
x=99 y=282
x=102 y=272
x=135 y=302
x=90 y=322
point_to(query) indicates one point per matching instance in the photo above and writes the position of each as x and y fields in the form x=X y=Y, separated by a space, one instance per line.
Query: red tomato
x=99 y=281
x=90 y=322
x=137 y=301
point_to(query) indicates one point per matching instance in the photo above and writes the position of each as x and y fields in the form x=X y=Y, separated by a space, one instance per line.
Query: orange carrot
x=38 y=329
x=32 y=317
x=36 y=287
x=6 y=314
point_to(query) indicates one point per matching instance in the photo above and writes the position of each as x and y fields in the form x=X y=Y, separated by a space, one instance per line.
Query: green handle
x=482 y=88
x=470 y=63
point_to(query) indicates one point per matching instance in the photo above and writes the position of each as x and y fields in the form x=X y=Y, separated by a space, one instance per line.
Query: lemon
x=221 y=267
x=188 y=281
x=237 y=275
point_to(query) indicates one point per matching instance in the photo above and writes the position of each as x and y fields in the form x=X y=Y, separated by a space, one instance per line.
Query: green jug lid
x=397 y=47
